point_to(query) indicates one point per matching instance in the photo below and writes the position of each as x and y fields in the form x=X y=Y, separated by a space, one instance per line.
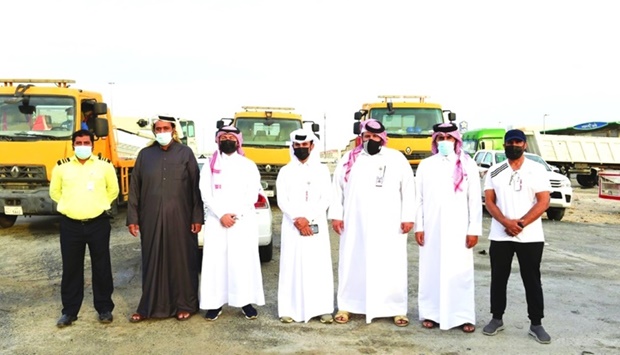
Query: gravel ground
x=580 y=280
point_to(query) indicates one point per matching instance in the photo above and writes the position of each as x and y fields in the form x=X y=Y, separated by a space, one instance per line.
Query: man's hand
x=511 y=227
x=301 y=223
x=406 y=227
x=471 y=241
x=228 y=220
x=196 y=228
x=338 y=226
x=134 y=229
x=419 y=237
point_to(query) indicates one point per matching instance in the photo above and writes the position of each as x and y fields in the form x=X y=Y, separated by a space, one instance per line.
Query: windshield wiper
x=6 y=137
x=32 y=134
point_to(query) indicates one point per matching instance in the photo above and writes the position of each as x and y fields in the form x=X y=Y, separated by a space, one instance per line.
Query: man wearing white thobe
x=373 y=209
x=306 y=281
x=448 y=223
x=231 y=270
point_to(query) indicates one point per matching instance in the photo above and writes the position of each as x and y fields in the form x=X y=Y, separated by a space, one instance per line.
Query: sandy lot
x=580 y=279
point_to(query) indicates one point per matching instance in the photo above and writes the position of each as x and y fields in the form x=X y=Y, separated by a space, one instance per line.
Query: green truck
x=483 y=138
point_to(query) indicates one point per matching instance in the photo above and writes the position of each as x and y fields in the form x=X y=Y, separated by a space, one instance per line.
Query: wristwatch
x=520 y=224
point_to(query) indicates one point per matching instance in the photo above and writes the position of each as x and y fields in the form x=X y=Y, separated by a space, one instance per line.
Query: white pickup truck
x=561 y=190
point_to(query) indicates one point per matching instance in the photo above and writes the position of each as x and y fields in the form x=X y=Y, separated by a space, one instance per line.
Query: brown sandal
x=136 y=318
x=468 y=328
x=183 y=315
x=429 y=324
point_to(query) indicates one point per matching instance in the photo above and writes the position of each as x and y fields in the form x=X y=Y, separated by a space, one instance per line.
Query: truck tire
x=555 y=214
x=7 y=221
x=266 y=252
x=587 y=180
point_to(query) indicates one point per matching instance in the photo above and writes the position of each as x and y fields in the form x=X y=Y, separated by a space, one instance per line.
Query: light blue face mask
x=163 y=138
x=83 y=151
x=445 y=148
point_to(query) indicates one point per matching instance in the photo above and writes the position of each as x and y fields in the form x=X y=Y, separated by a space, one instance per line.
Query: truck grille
x=22 y=173
x=268 y=170
x=417 y=155
x=555 y=183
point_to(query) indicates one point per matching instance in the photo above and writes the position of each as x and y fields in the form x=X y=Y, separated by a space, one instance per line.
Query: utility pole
x=324 y=135
x=111 y=83
x=544 y=126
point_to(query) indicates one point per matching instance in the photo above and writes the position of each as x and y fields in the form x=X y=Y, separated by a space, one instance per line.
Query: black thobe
x=164 y=200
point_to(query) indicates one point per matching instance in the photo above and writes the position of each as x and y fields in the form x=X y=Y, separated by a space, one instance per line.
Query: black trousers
x=529 y=256
x=74 y=237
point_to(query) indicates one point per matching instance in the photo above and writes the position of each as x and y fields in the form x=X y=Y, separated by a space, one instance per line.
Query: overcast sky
x=494 y=63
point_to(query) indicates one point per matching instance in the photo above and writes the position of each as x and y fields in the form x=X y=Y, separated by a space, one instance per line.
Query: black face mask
x=228 y=147
x=513 y=152
x=372 y=147
x=301 y=153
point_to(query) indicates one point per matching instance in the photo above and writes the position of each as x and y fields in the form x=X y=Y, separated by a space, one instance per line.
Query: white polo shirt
x=515 y=194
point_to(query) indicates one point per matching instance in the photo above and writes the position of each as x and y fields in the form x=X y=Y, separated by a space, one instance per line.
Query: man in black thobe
x=165 y=208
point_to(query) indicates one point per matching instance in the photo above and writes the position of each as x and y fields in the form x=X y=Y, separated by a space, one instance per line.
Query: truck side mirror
x=356 y=128
x=219 y=124
x=357 y=116
x=26 y=109
x=482 y=145
x=451 y=116
x=101 y=127
x=100 y=108
x=315 y=127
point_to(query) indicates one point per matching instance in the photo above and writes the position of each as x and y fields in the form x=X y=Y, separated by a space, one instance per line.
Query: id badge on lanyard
x=380 y=176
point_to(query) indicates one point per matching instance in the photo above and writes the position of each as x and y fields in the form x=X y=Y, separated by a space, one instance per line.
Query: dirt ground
x=580 y=279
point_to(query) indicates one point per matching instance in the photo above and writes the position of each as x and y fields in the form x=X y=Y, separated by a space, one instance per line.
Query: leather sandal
x=137 y=318
x=342 y=317
x=429 y=324
x=401 y=321
x=468 y=328
x=183 y=315
x=326 y=319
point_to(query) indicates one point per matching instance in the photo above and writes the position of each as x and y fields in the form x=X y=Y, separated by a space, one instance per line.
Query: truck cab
x=266 y=138
x=37 y=120
x=408 y=121
x=483 y=138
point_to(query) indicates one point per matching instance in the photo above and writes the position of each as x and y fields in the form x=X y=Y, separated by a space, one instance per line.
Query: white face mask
x=163 y=138
x=83 y=151
x=445 y=148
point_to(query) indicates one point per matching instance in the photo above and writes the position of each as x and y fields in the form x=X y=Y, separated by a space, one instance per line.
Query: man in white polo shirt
x=516 y=195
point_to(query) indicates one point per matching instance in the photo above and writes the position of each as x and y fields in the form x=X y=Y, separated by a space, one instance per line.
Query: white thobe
x=306 y=280
x=231 y=270
x=372 y=267
x=446 y=270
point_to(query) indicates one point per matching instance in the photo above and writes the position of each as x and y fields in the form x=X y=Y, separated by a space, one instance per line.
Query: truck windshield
x=408 y=121
x=33 y=117
x=262 y=132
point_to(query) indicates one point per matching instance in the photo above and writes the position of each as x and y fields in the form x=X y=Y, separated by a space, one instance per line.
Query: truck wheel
x=7 y=221
x=587 y=180
x=266 y=252
x=555 y=214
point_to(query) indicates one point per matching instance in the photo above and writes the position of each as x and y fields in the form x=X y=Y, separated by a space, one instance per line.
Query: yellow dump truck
x=37 y=119
x=408 y=120
x=266 y=138
x=142 y=126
